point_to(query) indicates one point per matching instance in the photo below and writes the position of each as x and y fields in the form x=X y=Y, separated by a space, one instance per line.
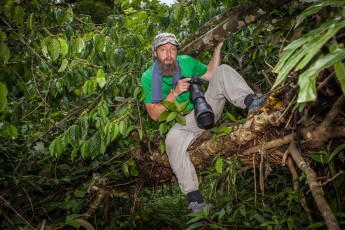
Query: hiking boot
x=196 y=207
x=258 y=102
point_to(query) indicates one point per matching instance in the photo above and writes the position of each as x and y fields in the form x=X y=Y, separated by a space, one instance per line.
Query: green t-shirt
x=189 y=67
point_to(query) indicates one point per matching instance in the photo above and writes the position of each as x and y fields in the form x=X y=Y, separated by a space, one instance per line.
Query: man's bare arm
x=214 y=63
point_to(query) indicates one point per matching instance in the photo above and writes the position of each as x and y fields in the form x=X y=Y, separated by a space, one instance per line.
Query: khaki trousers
x=225 y=84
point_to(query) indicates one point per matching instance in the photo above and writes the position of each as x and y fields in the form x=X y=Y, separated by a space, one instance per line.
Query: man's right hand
x=182 y=86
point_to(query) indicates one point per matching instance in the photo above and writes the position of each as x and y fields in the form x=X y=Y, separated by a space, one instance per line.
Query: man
x=163 y=81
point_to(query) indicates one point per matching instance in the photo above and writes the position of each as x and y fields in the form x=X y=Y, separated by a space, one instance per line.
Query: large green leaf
x=317 y=44
x=63 y=66
x=80 y=44
x=307 y=79
x=64 y=47
x=54 y=49
x=111 y=131
x=74 y=135
x=58 y=145
x=339 y=68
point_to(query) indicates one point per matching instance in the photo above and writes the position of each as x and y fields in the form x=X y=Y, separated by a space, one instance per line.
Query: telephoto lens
x=202 y=110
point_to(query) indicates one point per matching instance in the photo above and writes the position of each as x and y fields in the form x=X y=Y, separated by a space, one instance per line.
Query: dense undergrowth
x=70 y=101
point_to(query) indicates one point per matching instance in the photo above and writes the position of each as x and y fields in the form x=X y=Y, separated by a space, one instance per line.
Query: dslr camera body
x=202 y=110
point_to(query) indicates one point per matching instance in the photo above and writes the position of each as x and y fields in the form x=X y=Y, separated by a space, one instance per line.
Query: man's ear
x=155 y=54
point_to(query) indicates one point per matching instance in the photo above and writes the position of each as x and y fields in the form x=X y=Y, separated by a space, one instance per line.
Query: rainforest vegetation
x=79 y=151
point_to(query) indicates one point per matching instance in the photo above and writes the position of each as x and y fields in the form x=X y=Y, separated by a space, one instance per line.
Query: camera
x=202 y=110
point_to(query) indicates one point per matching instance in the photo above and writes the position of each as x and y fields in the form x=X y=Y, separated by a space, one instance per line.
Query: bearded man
x=163 y=82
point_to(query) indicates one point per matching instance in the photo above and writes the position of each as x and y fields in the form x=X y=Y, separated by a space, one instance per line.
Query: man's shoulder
x=184 y=57
x=147 y=73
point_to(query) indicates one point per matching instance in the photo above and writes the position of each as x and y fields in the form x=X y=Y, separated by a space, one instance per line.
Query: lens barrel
x=202 y=110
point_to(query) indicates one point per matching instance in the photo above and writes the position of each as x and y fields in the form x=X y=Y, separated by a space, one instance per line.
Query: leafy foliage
x=71 y=112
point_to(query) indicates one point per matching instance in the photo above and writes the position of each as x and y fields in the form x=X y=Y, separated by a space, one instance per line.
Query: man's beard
x=168 y=69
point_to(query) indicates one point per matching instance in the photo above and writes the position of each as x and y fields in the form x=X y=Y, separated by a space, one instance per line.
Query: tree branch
x=326 y=211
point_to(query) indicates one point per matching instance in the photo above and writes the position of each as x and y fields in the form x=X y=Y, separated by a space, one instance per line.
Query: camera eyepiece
x=202 y=110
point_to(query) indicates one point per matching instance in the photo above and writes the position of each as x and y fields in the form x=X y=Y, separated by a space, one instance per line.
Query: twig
x=321 y=203
x=32 y=207
x=341 y=172
x=261 y=176
x=135 y=198
x=266 y=77
x=15 y=211
x=268 y=145
x=322 y=84
x=43 y=224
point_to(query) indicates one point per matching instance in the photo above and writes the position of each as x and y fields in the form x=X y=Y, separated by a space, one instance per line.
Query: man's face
x=167 y=55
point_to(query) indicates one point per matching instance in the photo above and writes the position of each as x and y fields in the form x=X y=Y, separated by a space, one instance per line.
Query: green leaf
x=31 y=21
x=80 y=44
x=161 y=147
x=171 y=117
x=64 y=47
x=89 y=87
x=336 y=151
x=100 y=78
x=111 y=131
x=163 y=128
x=85 y=150
x=339 y=68
x=74 y=153
x=99 y=41
x=4 y=53
x=125 y=169
x=68 y=16
x=169 y=105
x=163 y=116
x=231 y=117
x=3 y=96
x=205 y=4
x=317 y=44
x=309 y=11
x=18 y=15
x=8 y=6
x=54 y=49
x=74 y=135
x=95 y=145
x=316 y=225
x=122 y=127
x=180 y=119
x=219 y=165
x=181 y=106
x=63 y=66
x=57 y=146
x=307 y=79
x=72 y=222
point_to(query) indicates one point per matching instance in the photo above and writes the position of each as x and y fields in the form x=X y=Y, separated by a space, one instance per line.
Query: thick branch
x=326 y=211
x=241 y=16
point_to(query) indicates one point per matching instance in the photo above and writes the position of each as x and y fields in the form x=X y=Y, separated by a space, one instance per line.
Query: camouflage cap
x=164 y=38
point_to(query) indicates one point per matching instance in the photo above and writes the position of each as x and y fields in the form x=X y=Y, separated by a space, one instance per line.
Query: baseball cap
x=164 y=38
